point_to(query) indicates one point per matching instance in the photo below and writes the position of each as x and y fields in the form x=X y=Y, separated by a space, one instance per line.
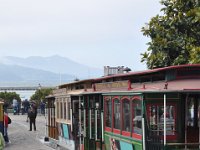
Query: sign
x=112 y=85
x=59 y=91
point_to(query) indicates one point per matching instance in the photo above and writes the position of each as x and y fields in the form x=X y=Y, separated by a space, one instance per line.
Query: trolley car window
x=65 y=111
x=50 y=112
x=137 y=116
x=68 y=109
x=61 y=110
x=126 y=115
x=108 y=113
x=52 y=121
x=58 y=109
x=156 y=119
x=117 y=119
x=92 y=123
x=190 y=112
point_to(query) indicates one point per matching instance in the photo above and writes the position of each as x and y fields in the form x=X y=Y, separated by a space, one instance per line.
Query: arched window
x=126 y=115
x=108 y=116
x=117 y=118
x=65 y=110
x=137 y=116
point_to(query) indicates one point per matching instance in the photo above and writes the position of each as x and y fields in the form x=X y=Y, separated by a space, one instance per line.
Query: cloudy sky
x=92 y=32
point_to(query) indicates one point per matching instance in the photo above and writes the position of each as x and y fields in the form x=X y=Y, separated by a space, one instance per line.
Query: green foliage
x=9 y=96
x=175 y=35
x=40 y=94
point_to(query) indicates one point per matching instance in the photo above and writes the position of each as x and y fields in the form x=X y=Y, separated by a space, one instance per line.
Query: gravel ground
x=21 y=138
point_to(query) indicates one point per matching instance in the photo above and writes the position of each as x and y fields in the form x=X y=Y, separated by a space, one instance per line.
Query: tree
x=9 y=96
x=40 y=94
x=175 y=35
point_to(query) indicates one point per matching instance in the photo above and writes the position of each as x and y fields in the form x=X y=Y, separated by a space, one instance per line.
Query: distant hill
x=48 y=71
x=13 y=75
x=56 y=64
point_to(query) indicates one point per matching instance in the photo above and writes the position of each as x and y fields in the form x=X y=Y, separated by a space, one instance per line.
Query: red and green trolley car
x=153 y=109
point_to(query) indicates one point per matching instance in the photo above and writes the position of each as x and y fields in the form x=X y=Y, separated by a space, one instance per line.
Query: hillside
x=56 y=64
x=47 y=71
x=13 y=75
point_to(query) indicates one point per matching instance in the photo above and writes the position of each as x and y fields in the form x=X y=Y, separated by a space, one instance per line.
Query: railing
x=22 y=88
x=171 y=146
x=154 y=143
x=10 y=110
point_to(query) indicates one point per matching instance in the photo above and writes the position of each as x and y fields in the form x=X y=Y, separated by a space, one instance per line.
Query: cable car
x=146 y=110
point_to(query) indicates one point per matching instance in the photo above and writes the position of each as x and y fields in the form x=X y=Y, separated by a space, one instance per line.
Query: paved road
x=21 y=138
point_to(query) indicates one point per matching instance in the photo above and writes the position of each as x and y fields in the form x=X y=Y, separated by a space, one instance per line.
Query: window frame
x=126 y=133
x=106 y=99
x=115 y=130
x=65 y=109
x=57 y=109
x=160 y=104
x=133 y=134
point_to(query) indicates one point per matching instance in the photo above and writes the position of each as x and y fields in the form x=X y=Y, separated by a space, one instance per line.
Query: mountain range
x=47 y=71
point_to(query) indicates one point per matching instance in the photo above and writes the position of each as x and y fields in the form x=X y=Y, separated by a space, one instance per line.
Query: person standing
x=32 y=117
x=7 y=121
x=42 y=107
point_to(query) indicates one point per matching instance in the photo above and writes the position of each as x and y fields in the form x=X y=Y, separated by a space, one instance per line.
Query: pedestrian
x=32 y=114
x=26 y=105
x=28 y=111
x=42 y=107
x=22 y=108
x=7 y=121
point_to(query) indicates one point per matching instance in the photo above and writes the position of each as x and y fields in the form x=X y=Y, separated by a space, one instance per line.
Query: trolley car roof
x=170 y=86
x=150 y=71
